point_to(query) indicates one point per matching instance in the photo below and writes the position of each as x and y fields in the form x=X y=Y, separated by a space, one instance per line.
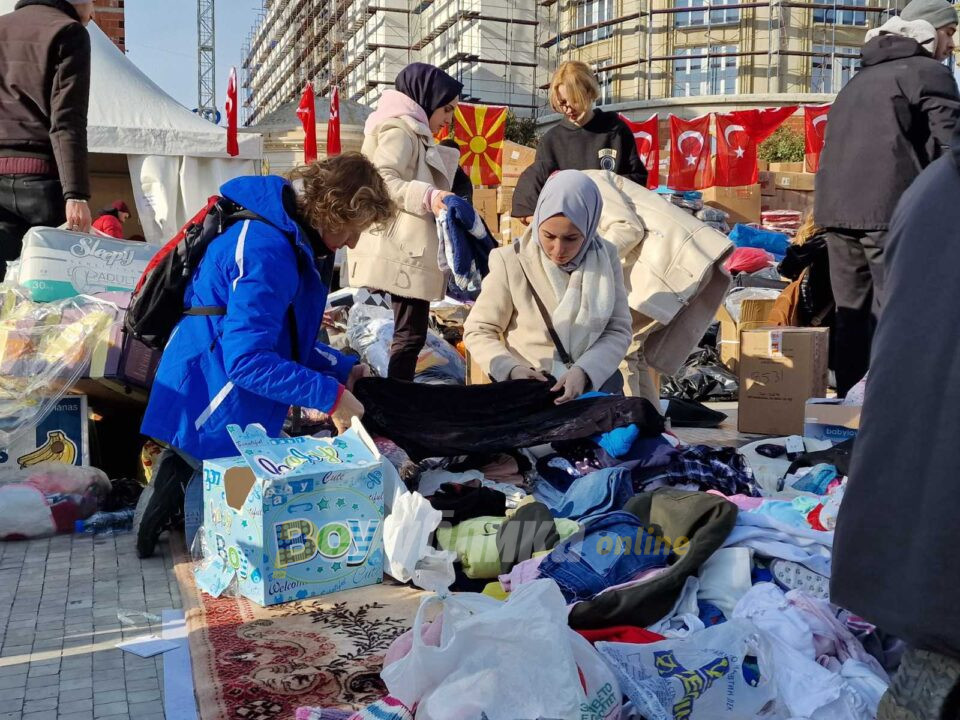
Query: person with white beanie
x=895 y=117
x=44 y=98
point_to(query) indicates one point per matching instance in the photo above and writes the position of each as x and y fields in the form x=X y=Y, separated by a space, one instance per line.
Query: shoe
x=924 y=688
x=692 y=414
x=794 y=576
x=162 y=501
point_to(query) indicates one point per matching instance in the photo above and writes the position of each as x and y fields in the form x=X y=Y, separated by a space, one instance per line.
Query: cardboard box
x=753 y=314
x=741 y=203
x=516 y=159
x=293 y=518
x=57 y=264
x=768 y=187
x=786 y=167
x=795 y=181
x=63 y=436
x=799 y=200
x=485 y=203
x=505 y=200
x=780 y=369
x=828 y=419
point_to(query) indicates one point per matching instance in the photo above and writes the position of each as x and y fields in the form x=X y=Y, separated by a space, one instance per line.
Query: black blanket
x=449 y=420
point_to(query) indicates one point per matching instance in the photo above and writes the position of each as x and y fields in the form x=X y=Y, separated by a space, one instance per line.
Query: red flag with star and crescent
x=647 y=136
x=307 y=112
x=479 y=131
x=815 y=122
x=690 y=167
x=233 y=145
x=739 y=135
x=333 y=124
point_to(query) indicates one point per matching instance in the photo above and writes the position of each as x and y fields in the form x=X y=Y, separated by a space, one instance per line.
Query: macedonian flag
x=479 y=131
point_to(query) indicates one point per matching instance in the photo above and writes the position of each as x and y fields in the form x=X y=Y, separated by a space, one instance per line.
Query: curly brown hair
x=343 y=191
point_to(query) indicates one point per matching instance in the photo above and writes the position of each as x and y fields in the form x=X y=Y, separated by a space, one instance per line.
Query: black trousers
x=410 y=321
x=856 y=276
x=27 y=201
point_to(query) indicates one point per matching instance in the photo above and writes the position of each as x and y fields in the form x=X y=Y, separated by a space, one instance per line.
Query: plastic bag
x=44 y=350
x=48 y=498
x=513 y=660
x=702 y=378
x=734 y=301
x=719 y=673
x=748 y=236
x=406 y=544
x=370 y=332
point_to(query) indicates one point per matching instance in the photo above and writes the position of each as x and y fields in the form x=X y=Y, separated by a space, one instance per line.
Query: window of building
x=832 y=67
x=696 y=74
x=716 y=15
x=591 y=12
x=605 y=81
x=831 y=16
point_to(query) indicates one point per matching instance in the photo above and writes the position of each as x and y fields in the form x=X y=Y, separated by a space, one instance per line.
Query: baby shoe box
x=292 y=518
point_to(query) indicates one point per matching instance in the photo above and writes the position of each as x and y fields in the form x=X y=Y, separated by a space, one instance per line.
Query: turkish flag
x=690 y=153
x=768 y=120
x=233 y=146
x=647 y=137
x=333 y=124
x=815 y=123
x=307 y=112
x=737 y=148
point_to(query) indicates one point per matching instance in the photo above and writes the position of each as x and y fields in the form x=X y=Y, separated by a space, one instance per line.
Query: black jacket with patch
x=604 y=143
x=895 y=117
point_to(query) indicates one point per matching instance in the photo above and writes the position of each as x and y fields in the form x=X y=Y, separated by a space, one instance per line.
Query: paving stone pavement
x=60 y=605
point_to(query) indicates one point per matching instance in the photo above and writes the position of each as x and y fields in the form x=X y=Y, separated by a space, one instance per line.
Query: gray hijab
x=575 y=196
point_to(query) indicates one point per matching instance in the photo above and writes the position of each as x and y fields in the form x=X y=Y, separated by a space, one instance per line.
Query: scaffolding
x=657 y=49
x=206 y=61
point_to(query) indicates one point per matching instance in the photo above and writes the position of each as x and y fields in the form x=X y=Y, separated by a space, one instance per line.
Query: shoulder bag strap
x=561 y=351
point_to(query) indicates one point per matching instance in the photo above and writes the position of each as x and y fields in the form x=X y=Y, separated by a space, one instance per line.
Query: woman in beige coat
x=562 y=275
x=402 y=258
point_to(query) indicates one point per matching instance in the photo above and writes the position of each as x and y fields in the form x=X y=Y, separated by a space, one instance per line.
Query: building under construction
x=361 y=45
x=690 y=54
x=654 y=50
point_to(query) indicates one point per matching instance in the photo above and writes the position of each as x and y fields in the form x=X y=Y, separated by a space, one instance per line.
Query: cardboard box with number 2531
x=292 y=518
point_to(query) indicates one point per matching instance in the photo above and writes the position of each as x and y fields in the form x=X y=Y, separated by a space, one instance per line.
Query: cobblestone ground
x=61 y=602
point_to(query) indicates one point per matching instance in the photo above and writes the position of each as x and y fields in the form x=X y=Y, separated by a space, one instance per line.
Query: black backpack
x=157 y=303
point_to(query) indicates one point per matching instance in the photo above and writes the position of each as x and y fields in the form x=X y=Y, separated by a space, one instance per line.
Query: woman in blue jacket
x=262 y=357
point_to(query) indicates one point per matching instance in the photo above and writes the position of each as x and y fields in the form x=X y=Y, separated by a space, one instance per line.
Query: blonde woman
x=587 y=138
x=560 y=276
x=402 y=259
x=256 y=358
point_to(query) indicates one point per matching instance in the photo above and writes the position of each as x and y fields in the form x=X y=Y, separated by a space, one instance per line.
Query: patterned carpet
x=253 y=663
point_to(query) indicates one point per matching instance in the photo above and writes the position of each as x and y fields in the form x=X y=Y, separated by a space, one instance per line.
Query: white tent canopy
x=176 y=158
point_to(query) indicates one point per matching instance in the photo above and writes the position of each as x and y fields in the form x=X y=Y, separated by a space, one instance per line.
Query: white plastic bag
x=510 y=660
x=406 y=544
x=722 y=673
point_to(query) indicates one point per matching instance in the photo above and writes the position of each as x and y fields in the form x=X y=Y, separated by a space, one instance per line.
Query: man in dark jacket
x=888 y=123
x=896 y=561
x=44 y=96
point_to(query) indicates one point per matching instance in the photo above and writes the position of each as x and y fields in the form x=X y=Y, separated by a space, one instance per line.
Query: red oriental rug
x=254 y=663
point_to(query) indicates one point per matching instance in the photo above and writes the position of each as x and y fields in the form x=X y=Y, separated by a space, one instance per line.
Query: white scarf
x=585 y=300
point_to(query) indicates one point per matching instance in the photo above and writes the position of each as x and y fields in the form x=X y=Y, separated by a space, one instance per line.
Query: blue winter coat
x=238 y=368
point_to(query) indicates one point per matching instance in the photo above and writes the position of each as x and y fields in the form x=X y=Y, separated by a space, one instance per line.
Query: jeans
x=595 y=494
x=25 y=202
x=856 y=276
x=612 y=549
x=410 y=322
x=192 y=498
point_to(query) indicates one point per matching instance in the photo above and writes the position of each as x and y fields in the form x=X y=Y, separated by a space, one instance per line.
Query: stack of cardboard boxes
x=785 y=186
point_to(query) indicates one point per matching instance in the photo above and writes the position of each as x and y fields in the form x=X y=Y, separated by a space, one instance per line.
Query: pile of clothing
x=670 y=580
